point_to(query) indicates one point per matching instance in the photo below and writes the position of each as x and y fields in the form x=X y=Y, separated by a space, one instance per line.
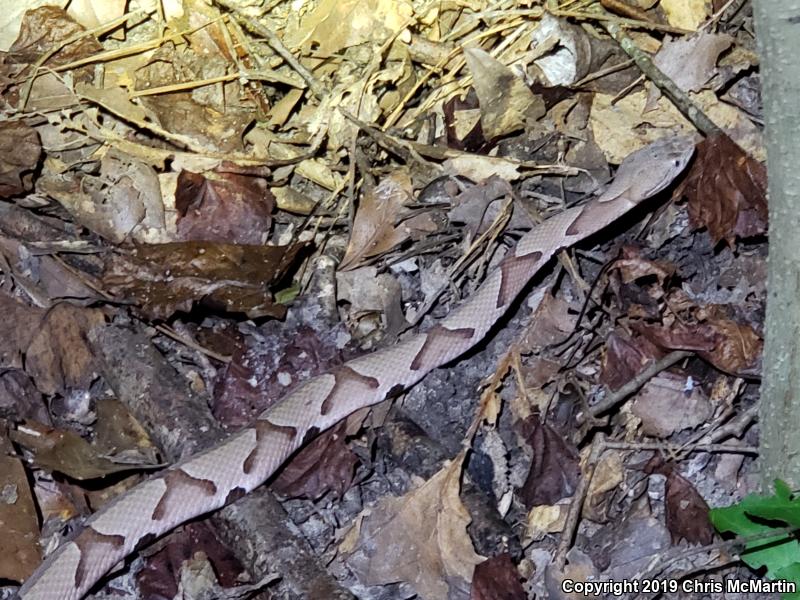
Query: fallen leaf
x=690 y=62
x=462 y=121
x=335 y=24
x=665 y=405
x=739 y=348
x=686 y=14
x=507 y=104
x=119 y=202
x=609 y=472
x=164 y=278
x=544 y=520
x=369 y=294
x=625 y=357
x=45 y=28
x=620 y=125
x=230 y=207
x=555 y=469
x=66 y=452
x=419 y=538
x=20 y=553
x=19 y=155
x=378 y=225
x=325 y=465
x=160 y=576
x=497 y=579
x=726 y=191
x=52 y=342
x=686 y=511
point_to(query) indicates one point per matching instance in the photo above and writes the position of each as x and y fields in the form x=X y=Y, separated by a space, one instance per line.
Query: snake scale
x=245 y=460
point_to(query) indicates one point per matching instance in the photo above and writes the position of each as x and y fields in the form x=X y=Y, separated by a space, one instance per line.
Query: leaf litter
x=196 y=170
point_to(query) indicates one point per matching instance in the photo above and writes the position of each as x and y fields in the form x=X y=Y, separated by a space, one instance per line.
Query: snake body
x=245 y=460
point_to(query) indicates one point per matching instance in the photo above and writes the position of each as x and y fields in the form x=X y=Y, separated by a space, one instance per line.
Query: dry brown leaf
x=58 y=356
x=686 y=14
x=20 y=553
x=420 y=538
x=686 y=511
x=19 y=154
x=164 y=278
x=666 y=406
x=609 y=472
x=66 y=452
x=159 y=576
x=52 y=342
x=726 y=190
x=739 y=348
x=507 y=103
x=335 y=24
x=690 y=62
x=230 y=207
x=123 y=200
x=497 y=578
x=378 y=225
x=625 y=357
x=555 y=469
x=325 y=465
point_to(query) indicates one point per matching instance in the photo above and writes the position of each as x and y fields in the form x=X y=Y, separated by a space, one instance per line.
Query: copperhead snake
x=245 y=460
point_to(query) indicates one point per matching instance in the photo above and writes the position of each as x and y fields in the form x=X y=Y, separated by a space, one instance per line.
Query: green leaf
x=790 y=573
x=774 y=552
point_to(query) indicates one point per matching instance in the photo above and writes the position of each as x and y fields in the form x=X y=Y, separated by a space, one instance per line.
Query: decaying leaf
x=378 y=225
x=665 y=405
x=609 y=472
x=19 y=154
x=325 y=465
x=419 y=538
x=44 y=29
x=497 y=579
x=686 y=14
x=52 y=342
x=123 y=200
x=230 y=208
x=686 y=511
x=690 y=62
x=727 y=191
x=730 y=346
x=625 y=357
x=507 y=104
x=555 y=471
x=20 y=553
x=66 y=452
x=164 y=278
x=162 y=572
x=335 y=25
x=372 y=297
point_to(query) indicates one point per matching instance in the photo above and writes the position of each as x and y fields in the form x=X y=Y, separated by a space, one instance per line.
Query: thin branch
x=634 y=384
x=678 y=97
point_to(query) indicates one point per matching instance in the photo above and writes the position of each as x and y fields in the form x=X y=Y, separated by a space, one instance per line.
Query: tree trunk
x=778 y=33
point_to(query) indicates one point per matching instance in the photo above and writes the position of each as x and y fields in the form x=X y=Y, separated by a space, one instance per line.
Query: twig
x=576 y=504
x=96 y=31
x=631 y=23
x=678 y=97
x=733 y=449
x=634 y=384
x=276 y=44
x=626 y=10
x=735 y=427
x=492 y=232
x=171 y=333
